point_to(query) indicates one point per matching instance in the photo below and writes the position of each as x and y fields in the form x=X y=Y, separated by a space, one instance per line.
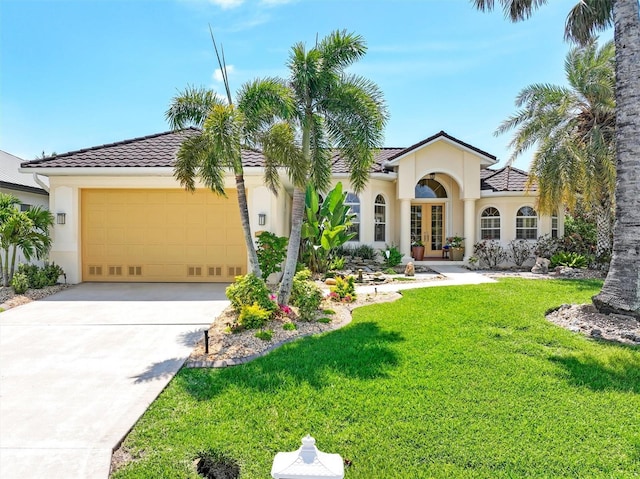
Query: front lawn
x=448 y=382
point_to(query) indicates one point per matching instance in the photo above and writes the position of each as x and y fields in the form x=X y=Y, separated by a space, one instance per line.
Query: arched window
x=380 y=219
x=490 y=224
x=428 y=188
x=526 y=223
x=353 y=202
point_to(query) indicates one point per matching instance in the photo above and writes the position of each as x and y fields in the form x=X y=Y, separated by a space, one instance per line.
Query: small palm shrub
x=344 y=290
x=490 y=253
x=305 y=294
x=265 y=334
x=253 y=316
x=337 y=263
x=289 y=326
x=20 y=283
x=519 y=251
x=38 y=277
x=570 y=259
x=248 y=290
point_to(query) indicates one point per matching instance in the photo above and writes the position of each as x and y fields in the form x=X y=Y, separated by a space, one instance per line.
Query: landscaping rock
x=410 y=269
x=330 y=282
x=541 y=266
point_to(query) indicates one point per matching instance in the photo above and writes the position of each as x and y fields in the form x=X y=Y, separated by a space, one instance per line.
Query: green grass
x=448 y=382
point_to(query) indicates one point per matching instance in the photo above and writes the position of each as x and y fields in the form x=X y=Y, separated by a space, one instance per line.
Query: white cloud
x=272 y=3
x=217 y=74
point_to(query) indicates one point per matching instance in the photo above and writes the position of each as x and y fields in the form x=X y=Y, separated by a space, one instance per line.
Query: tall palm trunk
x=603 y=230
x=621 y=290
x=297 y=214
x=13 y=262
x=5 y=271
x=254 y=265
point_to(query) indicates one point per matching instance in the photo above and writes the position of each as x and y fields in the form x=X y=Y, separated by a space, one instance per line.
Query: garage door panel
x=160 y=235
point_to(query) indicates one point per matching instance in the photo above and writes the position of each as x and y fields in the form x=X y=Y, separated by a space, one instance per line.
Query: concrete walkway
x=79 y=368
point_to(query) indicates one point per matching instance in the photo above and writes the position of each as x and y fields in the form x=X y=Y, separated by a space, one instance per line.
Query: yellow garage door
x=161 y=236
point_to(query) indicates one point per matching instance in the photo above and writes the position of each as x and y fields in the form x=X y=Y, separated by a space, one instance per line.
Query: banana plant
x=325 y=227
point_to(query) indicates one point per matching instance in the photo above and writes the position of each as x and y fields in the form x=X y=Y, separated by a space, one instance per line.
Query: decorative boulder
x=541 y=266
x=410 y=270
x=330 y=281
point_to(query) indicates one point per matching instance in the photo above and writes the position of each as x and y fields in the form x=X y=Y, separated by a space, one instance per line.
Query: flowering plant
x=455 y=241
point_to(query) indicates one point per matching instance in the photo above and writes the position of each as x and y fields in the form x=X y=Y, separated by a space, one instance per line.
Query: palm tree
x=332 y=110
x=621 y=289
x=573 y=130
x=224 y=129
x=24 y=230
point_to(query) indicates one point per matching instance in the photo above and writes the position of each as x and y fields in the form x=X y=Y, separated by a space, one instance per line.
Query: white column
x=405 y=229
x=469 y=227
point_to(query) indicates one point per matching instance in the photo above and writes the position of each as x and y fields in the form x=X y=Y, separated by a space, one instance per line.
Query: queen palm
x=572 y=129
x=223 y=130
x=332 y=110
x=621 y=290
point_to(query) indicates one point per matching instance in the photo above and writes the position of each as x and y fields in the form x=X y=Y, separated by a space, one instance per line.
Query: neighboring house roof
x=505 y=179
x=160 y=150
x=12 y=179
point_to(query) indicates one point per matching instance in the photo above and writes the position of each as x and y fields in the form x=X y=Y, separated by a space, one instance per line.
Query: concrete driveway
x=79 y=368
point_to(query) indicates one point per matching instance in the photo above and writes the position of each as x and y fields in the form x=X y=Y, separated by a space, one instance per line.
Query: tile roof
x=11 y=178
x=504 y=179
x=160 y=150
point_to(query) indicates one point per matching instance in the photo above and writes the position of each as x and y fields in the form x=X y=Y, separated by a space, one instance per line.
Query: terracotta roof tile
x=505 y=179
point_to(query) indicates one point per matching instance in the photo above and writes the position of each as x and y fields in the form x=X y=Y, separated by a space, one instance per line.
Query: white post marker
x=307 y=463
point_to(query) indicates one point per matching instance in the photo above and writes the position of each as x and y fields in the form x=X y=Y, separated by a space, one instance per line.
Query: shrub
x=30 y=271
x=324 y=320
x=363 y=251
x=344 y=290
x=546 y=246
x=248 y=290
x=265 y=334
x=253 y=316
x=271 y=251
x=20 y=283
x=519 y=251
x=393 y=258
x=305 y=294
x=337 y=263
x=490 y=253
x=53 y=272
x=289 y=326
x=570 y=259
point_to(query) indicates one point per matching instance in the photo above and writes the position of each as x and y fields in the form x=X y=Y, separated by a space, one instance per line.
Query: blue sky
x=80 y=73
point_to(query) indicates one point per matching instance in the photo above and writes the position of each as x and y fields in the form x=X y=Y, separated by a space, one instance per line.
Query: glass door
x=427 y=225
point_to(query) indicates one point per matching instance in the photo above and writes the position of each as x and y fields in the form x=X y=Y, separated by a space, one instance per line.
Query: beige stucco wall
x=508 y=206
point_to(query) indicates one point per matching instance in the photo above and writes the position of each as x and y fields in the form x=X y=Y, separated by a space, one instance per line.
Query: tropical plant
x=546 y=246
x=27 y=231
x=573 y=130
x=20 y=283
x=272 y=251
x=253 y=316
x=456 y=241
x=570 y=259
x=621 y=290
x=344 y=290
x=392 y=256
x=325 y=227
x=333 y=109
x=223 y=130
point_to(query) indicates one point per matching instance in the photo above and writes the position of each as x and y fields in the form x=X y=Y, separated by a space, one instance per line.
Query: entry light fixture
x=61 y=218
x=262 y=219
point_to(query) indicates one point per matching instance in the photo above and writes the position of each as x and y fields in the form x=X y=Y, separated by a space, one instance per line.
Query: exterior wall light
x=262 y=219
x=61 y=218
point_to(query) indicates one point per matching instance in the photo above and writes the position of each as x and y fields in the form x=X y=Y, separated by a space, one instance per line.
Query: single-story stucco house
x=123 y=217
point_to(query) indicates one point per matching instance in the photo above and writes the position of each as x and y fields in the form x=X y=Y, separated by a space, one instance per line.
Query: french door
x=427 y=225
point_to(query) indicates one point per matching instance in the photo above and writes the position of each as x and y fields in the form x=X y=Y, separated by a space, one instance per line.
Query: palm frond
x=191 y=107
x=190 y=156
x=514 y=10
x=587 y=18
